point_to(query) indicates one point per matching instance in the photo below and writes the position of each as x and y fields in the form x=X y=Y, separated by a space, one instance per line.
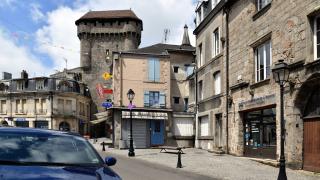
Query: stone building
x=100 y=33
x=43 y=102
x=258 y=34
x=157 y=74
x=210 y=76
x=261 y=33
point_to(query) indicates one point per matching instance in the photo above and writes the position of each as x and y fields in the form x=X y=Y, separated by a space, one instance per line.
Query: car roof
x=36 y=131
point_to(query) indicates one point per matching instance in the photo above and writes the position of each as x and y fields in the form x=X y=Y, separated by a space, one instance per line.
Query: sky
x=40 y=36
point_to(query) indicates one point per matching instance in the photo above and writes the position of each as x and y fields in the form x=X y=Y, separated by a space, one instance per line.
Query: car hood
x=8 y=172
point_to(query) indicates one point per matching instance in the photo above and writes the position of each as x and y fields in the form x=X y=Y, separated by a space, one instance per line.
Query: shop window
x=263 y=60
x=41 y=124
x=260 y=133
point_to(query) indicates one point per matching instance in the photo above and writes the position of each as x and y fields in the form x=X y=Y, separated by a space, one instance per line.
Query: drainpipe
x=51 y=104
x=226 y=11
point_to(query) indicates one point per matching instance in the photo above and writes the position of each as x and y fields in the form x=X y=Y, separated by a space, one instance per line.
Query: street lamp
x=281 y=75
x=130 y=96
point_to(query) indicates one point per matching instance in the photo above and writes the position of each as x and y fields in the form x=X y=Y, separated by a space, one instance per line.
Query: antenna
x=166 y=34
x=66 y=60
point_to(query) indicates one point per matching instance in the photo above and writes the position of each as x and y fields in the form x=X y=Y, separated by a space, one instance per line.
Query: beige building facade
x=43 y=102
x=157 y=74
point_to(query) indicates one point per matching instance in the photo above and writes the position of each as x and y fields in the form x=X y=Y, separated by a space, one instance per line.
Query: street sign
x=107 y=104
x=106 y=76
x=107 y=91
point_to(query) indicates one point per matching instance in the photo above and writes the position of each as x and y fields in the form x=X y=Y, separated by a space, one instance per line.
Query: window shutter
x=162 y=100
x=146 y=99
x=156 y=70
x=151 y=69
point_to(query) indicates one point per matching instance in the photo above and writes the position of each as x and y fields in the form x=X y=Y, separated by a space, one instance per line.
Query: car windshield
x=46 y=149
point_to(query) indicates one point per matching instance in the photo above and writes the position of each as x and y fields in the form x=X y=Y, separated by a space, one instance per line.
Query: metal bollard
x=179 y=165
x=103 y=144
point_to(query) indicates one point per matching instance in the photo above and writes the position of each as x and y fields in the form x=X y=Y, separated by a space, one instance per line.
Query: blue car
x=39 y=154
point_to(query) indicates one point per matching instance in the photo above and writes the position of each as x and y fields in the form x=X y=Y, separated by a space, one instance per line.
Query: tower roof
x=185 y=39
x=108 y=15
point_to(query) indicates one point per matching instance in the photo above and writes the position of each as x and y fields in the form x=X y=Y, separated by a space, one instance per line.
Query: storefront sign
x=257 y=102
x=21 y=119
x=145 y=115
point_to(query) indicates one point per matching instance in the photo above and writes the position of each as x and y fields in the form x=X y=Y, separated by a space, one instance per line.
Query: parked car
x=27 y=153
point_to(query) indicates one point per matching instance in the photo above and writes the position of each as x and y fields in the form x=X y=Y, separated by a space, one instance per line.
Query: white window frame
x=201 y=55
x=315 y=45
x=217 y=83
x=216 y=42
x=256 y=54
x=200 y=90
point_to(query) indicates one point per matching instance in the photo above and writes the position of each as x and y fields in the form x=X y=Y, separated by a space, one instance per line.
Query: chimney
x=186 y=40
x=6 y=76
x=24 y=74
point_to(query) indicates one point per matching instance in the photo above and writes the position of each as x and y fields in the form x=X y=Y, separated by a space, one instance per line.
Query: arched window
x=64 y=126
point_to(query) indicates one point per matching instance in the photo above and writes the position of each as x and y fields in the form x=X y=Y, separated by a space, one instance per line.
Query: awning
x=145 y=115
x=101 y=117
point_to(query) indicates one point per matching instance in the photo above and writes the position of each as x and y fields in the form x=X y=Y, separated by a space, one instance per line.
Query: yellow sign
x=106 y=76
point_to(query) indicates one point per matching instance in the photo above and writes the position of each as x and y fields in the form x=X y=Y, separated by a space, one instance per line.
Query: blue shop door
x=157 y=132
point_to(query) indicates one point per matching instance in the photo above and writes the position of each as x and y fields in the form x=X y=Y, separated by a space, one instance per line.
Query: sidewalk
x=213 y=165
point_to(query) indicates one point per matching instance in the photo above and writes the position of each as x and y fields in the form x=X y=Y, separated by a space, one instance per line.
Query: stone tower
x=101 y=33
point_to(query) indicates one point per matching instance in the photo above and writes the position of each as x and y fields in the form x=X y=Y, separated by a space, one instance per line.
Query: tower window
x=175 y=69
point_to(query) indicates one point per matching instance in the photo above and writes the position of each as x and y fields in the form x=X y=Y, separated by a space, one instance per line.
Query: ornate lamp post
x=281 y=75
x=130 y=95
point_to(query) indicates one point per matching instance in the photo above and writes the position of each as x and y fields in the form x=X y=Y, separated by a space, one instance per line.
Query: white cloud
x=16 y=58
x=36 y=13
x=156 y=15
x=5 y=3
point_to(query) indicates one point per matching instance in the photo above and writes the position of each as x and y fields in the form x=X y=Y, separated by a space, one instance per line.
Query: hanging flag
x=99 y=91
x=107 y=91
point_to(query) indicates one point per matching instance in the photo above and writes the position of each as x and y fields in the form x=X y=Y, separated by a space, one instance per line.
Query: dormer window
x=200 y=14
x=20 y=85
x=39 y=84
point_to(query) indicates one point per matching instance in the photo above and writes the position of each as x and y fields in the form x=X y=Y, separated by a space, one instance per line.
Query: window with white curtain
x=216 y=43
x=263 y=60
x=217 y=83
x=204 y=126
x=183 y=127
x=317 y=37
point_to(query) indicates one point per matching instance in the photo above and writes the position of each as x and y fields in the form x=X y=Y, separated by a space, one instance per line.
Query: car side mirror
x=110 y=161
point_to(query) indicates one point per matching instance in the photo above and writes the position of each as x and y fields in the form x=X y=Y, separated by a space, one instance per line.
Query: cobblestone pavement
x=213 y=165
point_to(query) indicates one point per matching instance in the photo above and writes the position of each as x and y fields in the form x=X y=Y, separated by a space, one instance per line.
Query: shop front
x=260 y=139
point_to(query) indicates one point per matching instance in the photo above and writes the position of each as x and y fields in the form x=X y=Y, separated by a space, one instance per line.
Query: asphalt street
x=135 y=169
